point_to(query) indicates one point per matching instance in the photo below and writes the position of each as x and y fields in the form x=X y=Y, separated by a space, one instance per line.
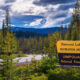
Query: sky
x=37 y=13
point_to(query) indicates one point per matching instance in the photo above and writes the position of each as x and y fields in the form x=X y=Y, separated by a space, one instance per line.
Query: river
x=27 y=58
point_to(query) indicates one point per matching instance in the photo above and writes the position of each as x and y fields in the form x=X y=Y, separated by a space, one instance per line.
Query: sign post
x=69 y=52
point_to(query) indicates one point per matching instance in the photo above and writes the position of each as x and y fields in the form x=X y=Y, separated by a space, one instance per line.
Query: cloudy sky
x=37 y=13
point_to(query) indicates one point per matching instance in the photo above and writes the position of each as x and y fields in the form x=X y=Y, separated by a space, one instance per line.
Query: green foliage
x=52 y=44
x=8 y=49
x=1 y=41
x=74 y=33
x=64 y=74
x=10 y=43
x=47 y=64
x=20 y=54
x=42 y=77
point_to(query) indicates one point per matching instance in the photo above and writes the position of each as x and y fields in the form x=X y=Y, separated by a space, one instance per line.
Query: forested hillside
x=36 y=30
x=28 y=34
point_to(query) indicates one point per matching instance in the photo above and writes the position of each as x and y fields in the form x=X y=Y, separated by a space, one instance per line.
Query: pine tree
x=69 y=34
x=62 y=32
x=3 y=29
x=76 y=18
x=40 y=43
x=8 y=49
x=7 y=20
x=10 y=43
x=74 y=34
x=52 y=44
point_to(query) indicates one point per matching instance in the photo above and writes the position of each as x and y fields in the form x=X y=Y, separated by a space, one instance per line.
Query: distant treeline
x=28 y=34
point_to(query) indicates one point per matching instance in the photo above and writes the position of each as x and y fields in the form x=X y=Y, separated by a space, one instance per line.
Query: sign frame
x=69 y=52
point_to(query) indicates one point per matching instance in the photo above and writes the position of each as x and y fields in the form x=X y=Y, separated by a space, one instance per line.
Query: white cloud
x=22 y=6
x=71 y=10
x=2 y=2
x=26 y=7
x=51 y=21
x=67 y=4
x=13 y=25
x=2 y=17
x=25 y=25
x=36 y=22
x=0 y=24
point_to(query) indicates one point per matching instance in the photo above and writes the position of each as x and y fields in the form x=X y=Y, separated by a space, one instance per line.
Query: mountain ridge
x=37 y=30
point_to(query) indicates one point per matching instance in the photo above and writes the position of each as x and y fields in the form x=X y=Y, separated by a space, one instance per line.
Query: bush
x=42 y=77
x=47 y=64
x=20 y=54
x=64 y=74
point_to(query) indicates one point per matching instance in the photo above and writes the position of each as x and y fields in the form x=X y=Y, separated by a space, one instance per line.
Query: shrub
x=64 y=74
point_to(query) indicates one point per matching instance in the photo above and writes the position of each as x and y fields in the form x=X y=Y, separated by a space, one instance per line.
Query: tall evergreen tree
x=3 y=28
x=76 y=18
x=62 y=32
x=7 y=20
x=8 y=47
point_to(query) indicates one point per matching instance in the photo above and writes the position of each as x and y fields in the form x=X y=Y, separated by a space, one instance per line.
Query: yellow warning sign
x=68 y=47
